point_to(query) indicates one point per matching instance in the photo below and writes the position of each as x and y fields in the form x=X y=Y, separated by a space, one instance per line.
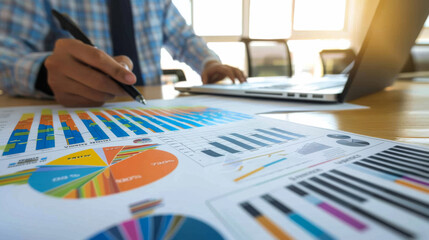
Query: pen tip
x=140 y=99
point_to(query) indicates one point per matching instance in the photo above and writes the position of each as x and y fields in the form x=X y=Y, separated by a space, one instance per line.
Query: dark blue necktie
x=122 y=32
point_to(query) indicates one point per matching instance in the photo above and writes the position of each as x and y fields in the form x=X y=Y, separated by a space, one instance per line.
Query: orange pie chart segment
x=143 y=168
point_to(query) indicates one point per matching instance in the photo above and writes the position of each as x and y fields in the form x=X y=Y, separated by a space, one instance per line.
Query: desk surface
x=400 y=112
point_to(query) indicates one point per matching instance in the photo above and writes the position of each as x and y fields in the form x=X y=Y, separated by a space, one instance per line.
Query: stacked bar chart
x=384 y=194
x=45 y=133
x=18 y=140
x=100 y=125
x=95 y=130
x=125 y=122
x=71 y=132
x=119 y=132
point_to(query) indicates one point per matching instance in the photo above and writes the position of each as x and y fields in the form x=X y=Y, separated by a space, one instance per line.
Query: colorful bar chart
x=71 y=132
x=19 y=137
x=125 y=122
x=341 y=215
x=140 y=121
x=359 y=198
x=95 y=130
x=118 y=131
x=45 y=133
x=265 y=222
x=358 y=210
x=111 y=123
x=401 y=165
x=298 y=219
x=151 y=116
x=177 y=118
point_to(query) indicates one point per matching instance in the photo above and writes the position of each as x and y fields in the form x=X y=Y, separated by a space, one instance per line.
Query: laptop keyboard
x=308 y=86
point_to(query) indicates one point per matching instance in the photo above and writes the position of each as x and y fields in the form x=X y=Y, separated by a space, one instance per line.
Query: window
x=309 y=26
x=217 y=17
x=316 y=15
x=265 y=26
x=424 y=35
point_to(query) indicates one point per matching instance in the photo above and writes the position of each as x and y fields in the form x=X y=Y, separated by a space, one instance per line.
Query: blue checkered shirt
x=28 y=33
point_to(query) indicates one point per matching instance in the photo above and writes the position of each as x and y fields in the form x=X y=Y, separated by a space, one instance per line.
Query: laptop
x=392 y=33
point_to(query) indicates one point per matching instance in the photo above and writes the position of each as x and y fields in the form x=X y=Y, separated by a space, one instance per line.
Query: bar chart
x=92 y=127
x=382 y=194
x=125 y=122
x=212 y=147
x=19 y=137
x=60 y=127
x=71 y=132
x=45 y=133
x=119 y=132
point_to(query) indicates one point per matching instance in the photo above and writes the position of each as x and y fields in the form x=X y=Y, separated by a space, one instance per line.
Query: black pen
x=68 y=25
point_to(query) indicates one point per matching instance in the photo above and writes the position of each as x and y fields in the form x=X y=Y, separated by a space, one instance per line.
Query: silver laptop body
x=387 y=44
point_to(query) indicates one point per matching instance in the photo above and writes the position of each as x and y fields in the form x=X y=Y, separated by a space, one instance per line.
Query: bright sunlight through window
x=319 y=15
x=216 y=18
x=270 y=19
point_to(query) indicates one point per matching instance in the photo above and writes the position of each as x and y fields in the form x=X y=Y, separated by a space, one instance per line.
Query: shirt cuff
x=25 y=74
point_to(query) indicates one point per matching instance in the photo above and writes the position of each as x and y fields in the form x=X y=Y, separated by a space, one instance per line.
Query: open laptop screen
x=393 y=31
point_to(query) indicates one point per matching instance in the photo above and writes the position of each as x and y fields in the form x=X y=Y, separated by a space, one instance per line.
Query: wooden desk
x=400 y=113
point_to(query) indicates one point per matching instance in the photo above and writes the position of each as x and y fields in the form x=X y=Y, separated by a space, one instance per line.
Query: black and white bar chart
x=234 y=141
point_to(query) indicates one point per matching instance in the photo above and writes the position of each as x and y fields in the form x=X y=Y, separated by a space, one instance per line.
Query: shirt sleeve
x=181 y=41
x=23 y=29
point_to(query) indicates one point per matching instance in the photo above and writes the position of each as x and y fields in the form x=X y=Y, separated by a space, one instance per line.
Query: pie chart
x=353 y=143
x=103 y=171
x=159 y=227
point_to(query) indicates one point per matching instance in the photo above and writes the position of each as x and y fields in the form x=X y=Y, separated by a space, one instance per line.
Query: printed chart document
x=191 y=171
x=256 y=105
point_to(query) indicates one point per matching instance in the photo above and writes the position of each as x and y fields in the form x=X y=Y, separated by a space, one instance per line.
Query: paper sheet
x=197 y=172
x=257 y=105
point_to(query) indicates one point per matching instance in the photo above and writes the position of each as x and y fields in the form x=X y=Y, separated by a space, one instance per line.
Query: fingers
x=125 y=62
x=215 y=72
x=97 y=59
x=91 y=78
x=239 y=75
x=228 y=71
x=78 y=74
x=72 y=100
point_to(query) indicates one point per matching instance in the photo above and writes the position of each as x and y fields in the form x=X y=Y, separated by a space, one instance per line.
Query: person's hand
x=78 y=74
x=215 y=71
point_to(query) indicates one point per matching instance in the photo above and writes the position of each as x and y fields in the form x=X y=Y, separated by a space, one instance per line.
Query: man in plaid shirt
x=38 y=59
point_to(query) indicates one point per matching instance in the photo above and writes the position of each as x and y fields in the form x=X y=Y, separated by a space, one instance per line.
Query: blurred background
x=286 y=37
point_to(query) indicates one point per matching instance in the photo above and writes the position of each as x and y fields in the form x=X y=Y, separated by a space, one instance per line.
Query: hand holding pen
x=81 y=75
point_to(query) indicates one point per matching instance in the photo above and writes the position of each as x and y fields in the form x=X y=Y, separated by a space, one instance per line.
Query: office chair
x=418 y=61
x=173 y=75
x=337 y=61
x=267 y=57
